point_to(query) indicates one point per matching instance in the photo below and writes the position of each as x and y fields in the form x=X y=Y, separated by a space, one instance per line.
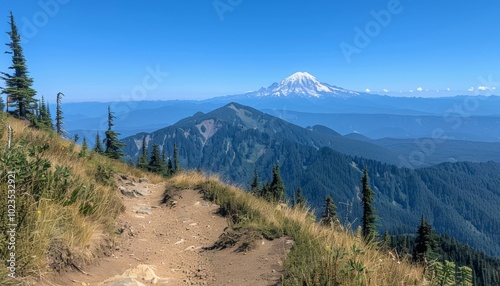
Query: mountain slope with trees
x=234 y=140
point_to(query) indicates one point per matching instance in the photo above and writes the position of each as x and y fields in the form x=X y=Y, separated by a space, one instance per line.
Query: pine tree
x=164 y=167
x=83 y=150
x=300 y=200
x=18 y=84
x=369 y=217
x=177 y=167
x=170 y=167
x=277 y=187
x=329 y=217
x=265 y=192
x=44 y=118
x=142 y=161
x=59 y=116
x=155 y=160
x=113 y=145
x=98 y=146
x=49 y=116
x=254 y=185
x=423 y=241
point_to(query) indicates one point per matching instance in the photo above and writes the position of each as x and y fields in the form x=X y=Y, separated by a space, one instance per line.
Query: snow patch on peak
x=303 y=84
x=300 y=77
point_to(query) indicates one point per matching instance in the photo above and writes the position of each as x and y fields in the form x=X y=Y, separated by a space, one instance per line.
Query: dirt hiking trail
x=165 y=244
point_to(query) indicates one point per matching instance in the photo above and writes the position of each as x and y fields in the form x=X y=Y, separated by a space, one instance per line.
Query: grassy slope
x=321 y=255
x=66 y=205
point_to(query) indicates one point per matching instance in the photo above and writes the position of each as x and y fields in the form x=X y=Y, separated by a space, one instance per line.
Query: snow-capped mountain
x=302 y=84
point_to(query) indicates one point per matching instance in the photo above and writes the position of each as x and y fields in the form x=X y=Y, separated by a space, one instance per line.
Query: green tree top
x=424 y=242
x=44 y=116
x=177 y=166
x=113 y=145
x=98 y=146
x=277 y=187
x=254 y=185
x=142 y=161
x=59 y=116
x=155 y=163
x=300 y=200
x=18 y=84
x=369 y=217
x=329 y=217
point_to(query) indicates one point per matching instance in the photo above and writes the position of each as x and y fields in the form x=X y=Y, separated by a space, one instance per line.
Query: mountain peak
x=303 y=84
x=300 y=77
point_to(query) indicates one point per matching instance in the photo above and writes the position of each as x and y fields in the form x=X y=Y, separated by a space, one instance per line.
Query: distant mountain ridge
x=305 y=101
x=235 y=117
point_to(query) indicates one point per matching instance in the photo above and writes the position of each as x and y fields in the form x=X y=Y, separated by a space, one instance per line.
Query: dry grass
x=321 y=255
x=77 y=218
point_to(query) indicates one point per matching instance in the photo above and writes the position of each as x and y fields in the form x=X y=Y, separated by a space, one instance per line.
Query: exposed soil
x=171 y=242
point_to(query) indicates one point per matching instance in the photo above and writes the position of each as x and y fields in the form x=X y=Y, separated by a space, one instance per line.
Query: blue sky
x=107 y=50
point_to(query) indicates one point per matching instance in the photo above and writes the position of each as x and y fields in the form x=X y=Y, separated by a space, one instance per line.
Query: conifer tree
x=83 y=150
x=329 y=217
x=155 y=160
x=59 y=116
x=265 y=192
x=18 y=84
x=369 y=217
x=98 y=146
x=423 y=241
x=113 y=145
x=177 y=167
x=49 y=116
x=254 y=185
x=142 y=161
x=164 y=167
x=300 y=200
x=44 y=118
x=277 y=187
x=170 y=167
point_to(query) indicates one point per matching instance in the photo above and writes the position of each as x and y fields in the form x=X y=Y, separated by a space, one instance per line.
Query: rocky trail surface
x=166 y=244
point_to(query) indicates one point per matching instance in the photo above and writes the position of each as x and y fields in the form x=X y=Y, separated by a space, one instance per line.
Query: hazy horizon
x=164 y=51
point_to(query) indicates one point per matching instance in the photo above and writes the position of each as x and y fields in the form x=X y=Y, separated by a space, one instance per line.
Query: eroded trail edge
x=164 y=242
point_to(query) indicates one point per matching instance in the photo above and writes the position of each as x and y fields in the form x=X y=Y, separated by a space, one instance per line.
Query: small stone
x=143 y=180
x=141 y=192
x=127 y=193
x=145 y=210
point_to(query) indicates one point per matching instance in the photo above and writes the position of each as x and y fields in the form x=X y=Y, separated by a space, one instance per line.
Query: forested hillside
x=485 y=269
x=460 y=199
